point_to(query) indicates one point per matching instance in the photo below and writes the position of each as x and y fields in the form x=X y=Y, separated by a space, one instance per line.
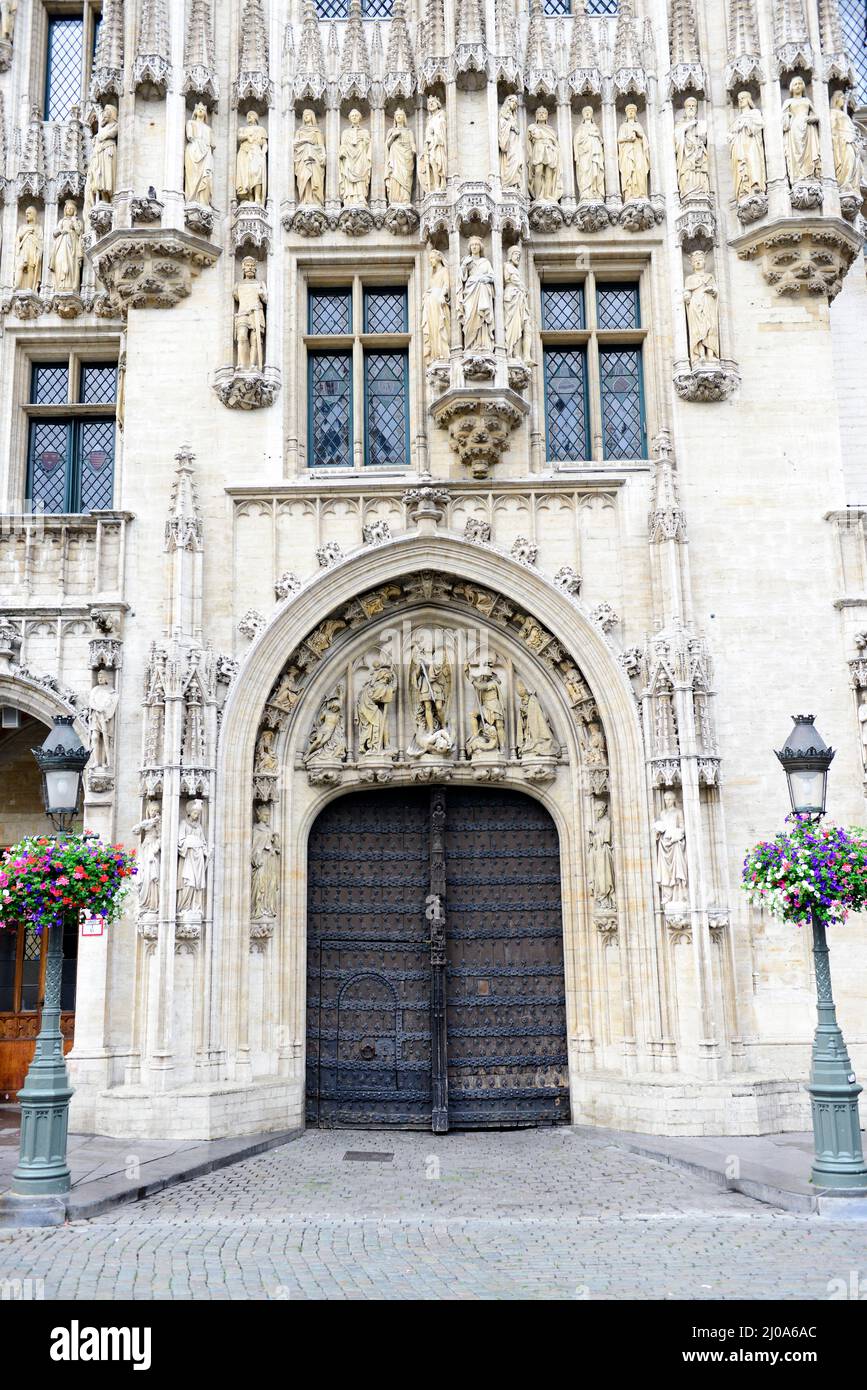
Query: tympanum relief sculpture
x=747 y=151
x=327 y=741
x=535 y=741
x=251 y=167
x=487 y=736
x=433 y=162
x=430 y=689
x=99 y=182
x=67 y=251
x=375 y=699
x=436 y=322
x=28 y=253
x=309 y=161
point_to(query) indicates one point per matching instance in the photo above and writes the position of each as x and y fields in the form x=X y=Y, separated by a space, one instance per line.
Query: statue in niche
x=509 y=140
x=487 y=720
x=67 y=251
x=264 y=864
x=589 y=159
x=251 y=166
x=701 y=297
x=99 y=182
x=193 y=853
x=251 y=297
x=287 y=694
x=671 y=851
x=595 y=750
x=747 y=149
x=102 y=702
x=327 y=741
x=846 y=144
x=308 y=150
x=477 y=299
x=148 y=858
x=28 y=252
x=371 y=711
x=354 y=163
x=436 y=314
x=265 y=761
x=546 y=177
x=433 y=164
x=199 y=158
x=535 y=739
x=690 y=144
x=8 y=11
x=801 y=135
x=600 y=866
x=862 y=719
x=399 y=160
x=633 y=157
x=516 y=309
x=430 y=686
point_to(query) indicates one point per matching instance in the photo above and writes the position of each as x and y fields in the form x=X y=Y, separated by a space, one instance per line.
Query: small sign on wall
x=92 y=926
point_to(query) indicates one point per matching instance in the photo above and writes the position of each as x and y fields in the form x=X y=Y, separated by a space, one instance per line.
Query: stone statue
x=433 y=164
x=265 y=760
x=399 y=160
x=477 y=299
x=487 y=720
x=199 y=158
x=251 y=166
x=265 y=865
x=354 y=163
x=600 y=866
x=701 y=298
x=430 y=686
x=148 y=858
x=251 y=297
x=309 y=157
x=436 y=314
x=371 y=714
x=690 y=144
x=327 y=742
x=28 y=252
x=801 y=135
x=747 y=149
x=535 y=739
x=67 y=253
x=516 y=309
x=595 y=751
x=193 y=853
x=862 y=719
x=671 y=851
x=846 y=143
x=633 y=157
x=546 y=176
x=103 y=706
x=589 y=159
x=509 y=139
x=8 y=11
x=99 y=183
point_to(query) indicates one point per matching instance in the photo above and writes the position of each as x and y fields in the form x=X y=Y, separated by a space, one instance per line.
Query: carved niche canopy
x=148 y=268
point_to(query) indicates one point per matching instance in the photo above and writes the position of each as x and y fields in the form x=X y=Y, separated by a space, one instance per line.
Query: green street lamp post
x=838 y=1160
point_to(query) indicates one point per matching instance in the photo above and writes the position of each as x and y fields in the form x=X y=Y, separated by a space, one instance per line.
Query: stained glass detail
x=63 y=66
x=49 y=383
x=330 y=409
x=98 y=383
x=617 y=306
x=49 y=451
x=96 y=464
x=623 y=433
x=566 y=403
x=385 y=311
x=563 y=308
x=385 y=376
x=853 y=16
x=330 y=311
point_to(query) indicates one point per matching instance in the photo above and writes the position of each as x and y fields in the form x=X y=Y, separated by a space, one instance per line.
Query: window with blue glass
x=853 y=16
x=71 y=436
x=385 y=311
x=617 y=307
x=562 y=308
x=622 y=399
x=330 y=312
x=330 y=416
x=386 y=418
x=566 y=416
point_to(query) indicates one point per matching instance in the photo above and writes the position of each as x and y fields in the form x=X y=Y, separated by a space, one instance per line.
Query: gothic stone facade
x=518 y=438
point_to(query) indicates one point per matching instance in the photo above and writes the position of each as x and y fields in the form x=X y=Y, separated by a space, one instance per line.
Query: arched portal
x=435 y=975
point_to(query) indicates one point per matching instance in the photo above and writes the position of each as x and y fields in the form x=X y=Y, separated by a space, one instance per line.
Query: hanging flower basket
x=809 y=871
x=44 y=883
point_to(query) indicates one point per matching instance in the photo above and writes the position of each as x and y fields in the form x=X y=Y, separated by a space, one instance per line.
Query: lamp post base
x=43 y=1210
x=838 y=1164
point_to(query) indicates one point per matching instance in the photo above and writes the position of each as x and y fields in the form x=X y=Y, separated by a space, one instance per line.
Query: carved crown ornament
x=148 y=268
x=810 y=255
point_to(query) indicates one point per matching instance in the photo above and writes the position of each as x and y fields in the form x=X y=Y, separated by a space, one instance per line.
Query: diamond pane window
x=49 y=384
x=566 y=403
x=330 y=311
x=332 y=9
x=385 y=311
x=376 y=9
x=623 y=429
x=330 y=401
x=563 y=308
x=557 y=7
x=385 y=409
x=30 y=971
x=49 y=459
x=853 y=16
x=63 y=66
x=601 y=6
x=96 y=465
x=98 y=383
x=617 y=306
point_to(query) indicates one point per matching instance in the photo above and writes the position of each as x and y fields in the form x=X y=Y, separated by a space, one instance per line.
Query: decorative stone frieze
x=810 y=255
x=480 y=422
x=150 y=269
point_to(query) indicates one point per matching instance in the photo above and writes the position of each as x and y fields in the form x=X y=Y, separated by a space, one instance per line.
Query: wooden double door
x=435 y=985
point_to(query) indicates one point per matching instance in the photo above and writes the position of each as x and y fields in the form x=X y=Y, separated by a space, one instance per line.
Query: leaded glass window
x=339 y=9
x=623 y=431
x=330 y=312
x=71 y=437
x=49 y=383
x=386 y=419
x=98 y=383
x=566 y=402
x=63 y=67
x=385 y=311
x=569 y=7
x=617 y=307
x=330 y=400
x=562 y=308
x=853 y=15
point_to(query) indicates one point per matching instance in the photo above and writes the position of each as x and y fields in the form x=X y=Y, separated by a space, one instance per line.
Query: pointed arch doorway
x=435 y=982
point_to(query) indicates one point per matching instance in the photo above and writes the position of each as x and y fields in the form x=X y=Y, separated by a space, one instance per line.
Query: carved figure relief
x=199 y=158
x=509 y=140
x=251 y=297
x=589 y=159
x=193 y=854
x=436 y=318
x=8 y=11
x=516 y=309
x=309 y=158
x=147 y=883
x=477 y=299
x=633 y=157
x=543 y=149
x=801 y=134
x=399 y=160
x=100 y=180
x=690 y=143
x=251 y=166
x=102 y=702
x=67 y=252
x=595 y=750
x=430 y=687
x=671 y=874
x=354 y=163
x=747 y=149
x=600 y=863
x=862 y=719
x=327 y=741
x=846 y=143
x=433 y=164
x=265 y=760
x=264 y=864
x=371 y=713
x=535 y=739
x=28 y=253
x=701 y=297
x=487 y=719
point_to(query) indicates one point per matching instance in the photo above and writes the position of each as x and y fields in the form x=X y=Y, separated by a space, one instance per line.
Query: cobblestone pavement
x=532 y=1214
